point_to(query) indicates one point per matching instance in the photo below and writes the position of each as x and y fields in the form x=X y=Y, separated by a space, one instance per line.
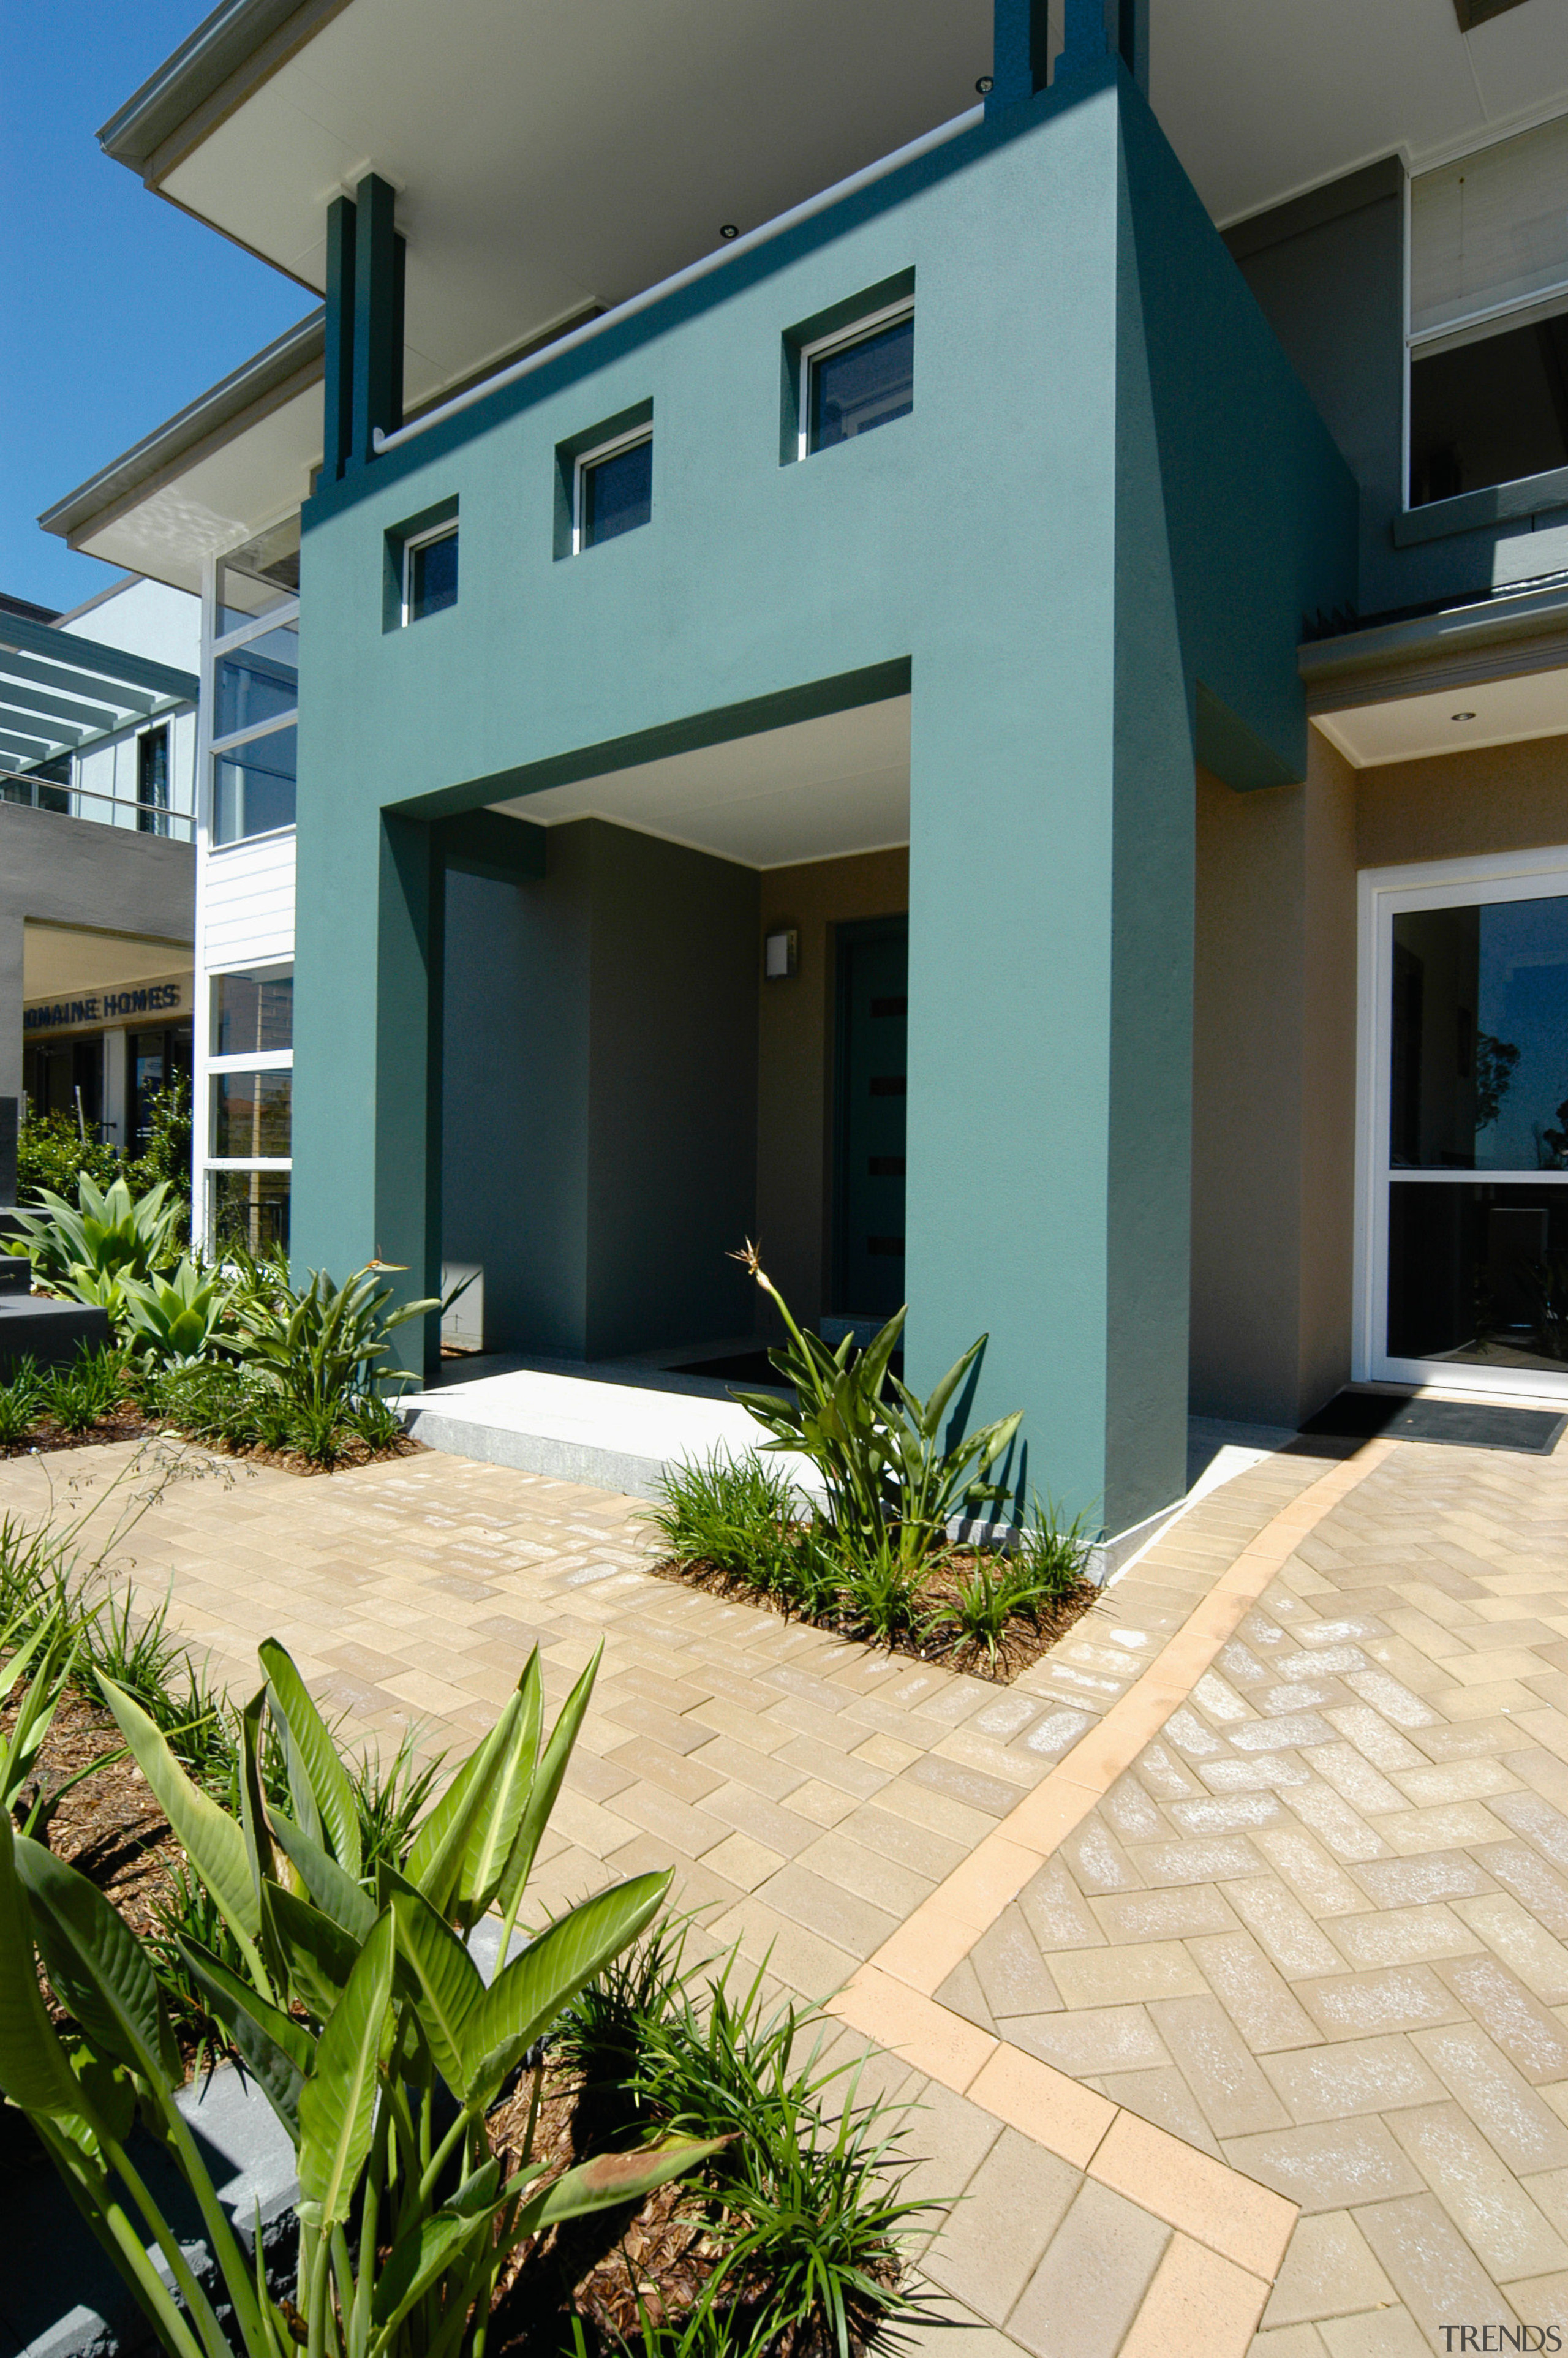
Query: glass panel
x=618 y=493
x=252 y=1011
x=254 y=787
x=432 y=577
x=866 y=384
x=1489 y=412
x=1478 y=1274
x=249 y=1207
x=264 y=573
x=152 y=782
x=252 y=685
x=1479 y=1078
x=250 y=1115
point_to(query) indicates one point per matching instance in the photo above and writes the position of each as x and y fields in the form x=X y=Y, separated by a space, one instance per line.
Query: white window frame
x=1385 y=894
x=869 y=323
x=417 y=541
x=260 y=1060
x=586 y=459
x=217 y=749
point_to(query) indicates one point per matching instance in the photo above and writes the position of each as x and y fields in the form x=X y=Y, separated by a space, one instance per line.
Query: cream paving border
x=1230 y=2232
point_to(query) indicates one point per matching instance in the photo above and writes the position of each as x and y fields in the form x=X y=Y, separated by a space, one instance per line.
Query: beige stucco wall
x=1274 y=1043
x=794 y=1110
x=1461 y=806
x=1273 y=1094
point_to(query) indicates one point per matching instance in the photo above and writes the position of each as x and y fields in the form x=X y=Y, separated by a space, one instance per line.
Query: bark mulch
x=1021 y=1643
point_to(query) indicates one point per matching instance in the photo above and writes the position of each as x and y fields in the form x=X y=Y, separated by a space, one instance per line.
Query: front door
x=873 y=1035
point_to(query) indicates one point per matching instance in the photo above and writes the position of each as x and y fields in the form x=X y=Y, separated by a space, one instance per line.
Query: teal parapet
x=1087 y=555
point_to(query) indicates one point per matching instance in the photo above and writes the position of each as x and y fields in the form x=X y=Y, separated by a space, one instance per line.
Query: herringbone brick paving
x=1317 y=1932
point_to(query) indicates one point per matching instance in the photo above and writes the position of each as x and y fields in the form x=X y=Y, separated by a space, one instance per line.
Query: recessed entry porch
x=691 y=1028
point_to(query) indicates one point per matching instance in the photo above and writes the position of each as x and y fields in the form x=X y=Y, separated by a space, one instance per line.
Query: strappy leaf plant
x=359 y=2012
x=324 y=1344
x=892 y=1479
x=87 y=1249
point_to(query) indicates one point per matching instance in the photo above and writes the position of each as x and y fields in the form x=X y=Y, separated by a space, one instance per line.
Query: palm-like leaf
x=528 y=1994
x=337 y=2103
x=33 y=2071
x=318 y=1756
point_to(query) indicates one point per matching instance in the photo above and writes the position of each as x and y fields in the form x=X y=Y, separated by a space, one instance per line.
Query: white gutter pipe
x=865 y=178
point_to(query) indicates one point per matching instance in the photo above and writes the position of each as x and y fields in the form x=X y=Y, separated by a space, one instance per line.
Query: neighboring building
x=98 y=726
x=979 y=690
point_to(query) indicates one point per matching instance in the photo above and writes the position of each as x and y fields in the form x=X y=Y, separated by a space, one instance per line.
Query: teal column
x=338 y=428
x=376 y=364
x=1021 y=54
x=1051 y=913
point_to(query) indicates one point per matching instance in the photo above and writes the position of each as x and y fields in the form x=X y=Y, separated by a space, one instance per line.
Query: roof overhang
x=1493 y=673
x=232 y=462
x=61 y=693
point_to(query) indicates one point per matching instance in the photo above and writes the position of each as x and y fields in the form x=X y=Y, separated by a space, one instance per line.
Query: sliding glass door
x=1463 y=1235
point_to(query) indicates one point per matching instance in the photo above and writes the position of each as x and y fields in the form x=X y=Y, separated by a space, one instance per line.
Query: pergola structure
x=60 y=694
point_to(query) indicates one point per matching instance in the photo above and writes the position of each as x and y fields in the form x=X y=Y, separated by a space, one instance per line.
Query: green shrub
x=322 y=1345
x=19 y=1401
x=84 y=1250
x=357 y=2011
x=52 y=1153
x=735 y=1513
x=166 y=1155
x=802 y=2199
x=169 y=1321
x=83 y=1394
x=893 y=1481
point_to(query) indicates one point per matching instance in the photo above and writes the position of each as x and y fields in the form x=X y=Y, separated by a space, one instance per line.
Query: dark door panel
x=872 y=1086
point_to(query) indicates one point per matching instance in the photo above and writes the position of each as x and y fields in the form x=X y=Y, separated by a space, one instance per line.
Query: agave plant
x=171 y=1321
x=322 y=1346
x=892 y=1482
x=88 y=1249
x=359 y=2012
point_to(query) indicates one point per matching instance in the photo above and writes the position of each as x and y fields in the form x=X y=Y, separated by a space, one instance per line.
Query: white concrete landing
x=607 y=1430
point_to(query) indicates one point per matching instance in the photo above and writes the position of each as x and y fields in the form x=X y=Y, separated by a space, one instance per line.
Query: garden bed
x=1017 y=1647
x=350 y=1450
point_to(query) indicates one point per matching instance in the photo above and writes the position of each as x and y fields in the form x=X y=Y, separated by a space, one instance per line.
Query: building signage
x=102 y=1007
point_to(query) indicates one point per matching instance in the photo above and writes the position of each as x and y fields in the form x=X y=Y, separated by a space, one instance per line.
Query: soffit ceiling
x=58 y=961
x=215 y=501
x=815 y=790
x=551 y=156
x=1460 y=720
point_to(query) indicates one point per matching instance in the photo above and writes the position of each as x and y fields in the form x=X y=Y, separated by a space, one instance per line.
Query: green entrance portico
x=1083 y=556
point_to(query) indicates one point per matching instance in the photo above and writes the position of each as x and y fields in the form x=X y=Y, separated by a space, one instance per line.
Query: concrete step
x=32 y=1326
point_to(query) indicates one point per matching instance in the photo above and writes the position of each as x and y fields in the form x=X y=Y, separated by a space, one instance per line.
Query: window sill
x=1472 y=510
x=239 y=842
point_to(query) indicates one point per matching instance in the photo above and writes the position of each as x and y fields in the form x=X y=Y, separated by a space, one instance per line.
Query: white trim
x=272 y=726
x=1383 y=892
x=870 y=323
x=632 y=439
x=416 y=541
x=276 y=618
x=277 y=1060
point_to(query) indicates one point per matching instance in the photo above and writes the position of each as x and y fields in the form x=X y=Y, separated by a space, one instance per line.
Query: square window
x=859 y=379
x=614 y=490
x=431 y=574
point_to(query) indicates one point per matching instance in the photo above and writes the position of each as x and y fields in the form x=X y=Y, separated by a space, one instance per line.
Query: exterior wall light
x=728 y=230
x=1462 y=716
x=781 y=953
x=985 y=86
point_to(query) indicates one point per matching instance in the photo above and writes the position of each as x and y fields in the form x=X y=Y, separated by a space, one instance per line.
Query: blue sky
x=115 y=309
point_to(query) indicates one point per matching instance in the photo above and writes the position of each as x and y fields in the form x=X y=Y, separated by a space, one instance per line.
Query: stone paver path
x=1228 y=1951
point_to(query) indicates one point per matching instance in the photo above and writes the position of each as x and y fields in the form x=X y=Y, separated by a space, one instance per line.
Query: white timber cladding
x=247 y=913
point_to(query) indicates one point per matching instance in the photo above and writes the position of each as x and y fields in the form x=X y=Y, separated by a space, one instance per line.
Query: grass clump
x=801 y=2212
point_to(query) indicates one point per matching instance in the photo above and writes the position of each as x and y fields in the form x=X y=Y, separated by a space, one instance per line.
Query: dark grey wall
x=74 y=871
x=1328 y=270
x=600 y=1094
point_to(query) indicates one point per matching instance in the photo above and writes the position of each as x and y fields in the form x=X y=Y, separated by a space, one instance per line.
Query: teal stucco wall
x=1091 y=543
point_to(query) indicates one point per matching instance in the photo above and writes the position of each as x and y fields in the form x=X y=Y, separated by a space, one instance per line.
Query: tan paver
x=1250 y=1899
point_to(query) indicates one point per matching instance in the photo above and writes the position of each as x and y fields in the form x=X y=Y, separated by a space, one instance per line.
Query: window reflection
x=1479 y=1069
